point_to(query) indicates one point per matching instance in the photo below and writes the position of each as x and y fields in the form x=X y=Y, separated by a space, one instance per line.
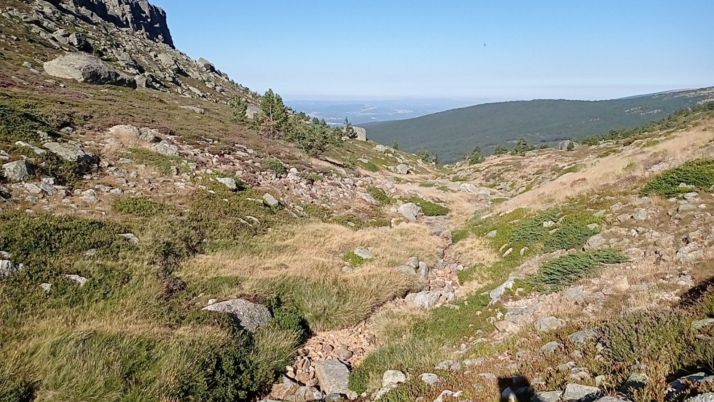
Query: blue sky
x=495 y=50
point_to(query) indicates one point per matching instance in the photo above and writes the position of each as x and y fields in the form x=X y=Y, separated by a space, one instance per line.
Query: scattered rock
x=547 y=396
x=403 y=169
x=131 y=237
x=702 y=323
x=249 y=315
x=70 y=152
x=8 y=267
x=689 y=253
x=165 y=148
x=363 y=253
x=549 y=323
x=551 y=347
x=333 y=376
x=228 y=182
x=270 y=201
x=393 y=377
x=17 y=171
x=583 y=336
x=425 y=299
x=409 y=211
x=580 y=393
x=708 y=397
x=430 y=379
x=79 y=279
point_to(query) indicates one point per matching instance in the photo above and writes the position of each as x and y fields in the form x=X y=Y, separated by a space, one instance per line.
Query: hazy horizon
x=460 y=50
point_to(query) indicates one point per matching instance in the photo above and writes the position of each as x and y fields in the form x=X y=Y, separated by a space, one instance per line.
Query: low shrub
x=696 y=174
x=573 y=232
x=63 y=171
x=276 y=166
x=379 y=195
x=564 y=270
x=139 y=206
x=429 y=208
x=165 y=164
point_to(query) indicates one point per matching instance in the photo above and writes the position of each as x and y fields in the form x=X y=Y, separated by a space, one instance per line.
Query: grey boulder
x=580 y=393
x=87 y=68
x=164 y=148
x=70 y=152
x=17 y=171
x=409 y=211
x=249 y=315
x=333 y=376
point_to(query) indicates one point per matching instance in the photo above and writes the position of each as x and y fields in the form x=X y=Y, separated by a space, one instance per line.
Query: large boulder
x=249 y=315
x=409 y=211
x=87 y=68
x=70 y=152
x=333 y=377
x=17 y=171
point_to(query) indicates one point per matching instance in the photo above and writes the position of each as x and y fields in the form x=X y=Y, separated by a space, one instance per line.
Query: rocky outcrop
x=137 y=15
x=87 y=68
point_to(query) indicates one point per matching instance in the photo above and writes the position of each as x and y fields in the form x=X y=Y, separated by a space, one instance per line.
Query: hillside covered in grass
x=453 y=133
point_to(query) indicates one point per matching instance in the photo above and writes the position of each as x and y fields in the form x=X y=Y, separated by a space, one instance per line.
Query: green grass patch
x=696 y=174
x=163 y=163
x=380 y=195
x=429 y=208
x=371 y=166
x=569 y=169
x=138 y=206
x=353 y=259
x=563 y=271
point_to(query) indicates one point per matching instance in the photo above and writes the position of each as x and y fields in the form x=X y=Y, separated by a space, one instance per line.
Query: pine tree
x=349 y=130
x=500 y=150
x=274 y=114
x=239 y=106
x=475 y=156
x=522 y=147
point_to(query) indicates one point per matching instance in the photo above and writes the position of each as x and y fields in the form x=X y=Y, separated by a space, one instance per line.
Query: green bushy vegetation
x=139 y=206
x=429 y=208
x=674 y=120
x=63 y=171
x=163 y=163
x=276 y=165
x=356 y=222
x=564 y=270
x=695 y=174
x=379 y=195
x=19 y=123
x=275 y=121
x=475 y=156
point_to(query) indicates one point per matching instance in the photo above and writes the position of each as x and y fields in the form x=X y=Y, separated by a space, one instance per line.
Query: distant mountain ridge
x=453 y=133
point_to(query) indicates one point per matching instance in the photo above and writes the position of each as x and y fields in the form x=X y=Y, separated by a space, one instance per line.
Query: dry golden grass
x=316 y=249
x=683 y=146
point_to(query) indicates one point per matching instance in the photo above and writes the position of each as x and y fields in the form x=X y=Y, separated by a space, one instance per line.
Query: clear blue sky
x=369 y=49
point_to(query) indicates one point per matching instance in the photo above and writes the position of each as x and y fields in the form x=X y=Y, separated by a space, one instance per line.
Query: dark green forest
x=452 y=134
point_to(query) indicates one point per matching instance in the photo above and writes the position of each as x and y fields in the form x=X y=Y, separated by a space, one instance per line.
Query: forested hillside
x=453 y=133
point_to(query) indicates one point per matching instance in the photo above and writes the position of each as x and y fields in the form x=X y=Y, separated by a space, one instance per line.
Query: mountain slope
x=453 y=133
